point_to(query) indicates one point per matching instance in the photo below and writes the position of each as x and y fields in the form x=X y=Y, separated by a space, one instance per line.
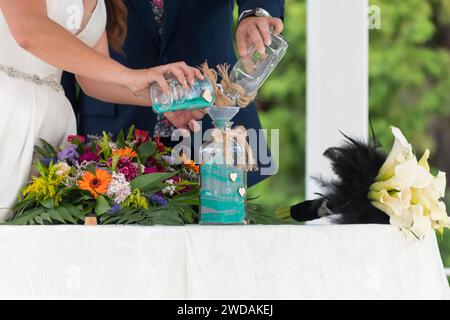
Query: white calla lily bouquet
x=372 y=187
x=408 y=192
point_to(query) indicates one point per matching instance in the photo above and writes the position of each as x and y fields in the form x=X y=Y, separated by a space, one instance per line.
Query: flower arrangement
x=132 y=180
x=370 y=186
x=408 y=193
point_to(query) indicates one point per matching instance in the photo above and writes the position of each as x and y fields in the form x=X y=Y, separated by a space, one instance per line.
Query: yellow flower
x=136 y=200
x=46 y=186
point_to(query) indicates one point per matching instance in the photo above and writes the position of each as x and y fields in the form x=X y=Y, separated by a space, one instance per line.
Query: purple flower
x=114 y=209
x=68 y=154
x=46 y=161
x=186 y=189
x=160 y=201
x=169 y=159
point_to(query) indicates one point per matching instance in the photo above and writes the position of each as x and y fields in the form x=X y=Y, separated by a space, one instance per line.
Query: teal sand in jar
x=223 y=172
x=237 y=88
x=200 y=95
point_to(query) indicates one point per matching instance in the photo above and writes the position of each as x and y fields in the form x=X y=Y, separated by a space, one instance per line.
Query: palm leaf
x=151 y=182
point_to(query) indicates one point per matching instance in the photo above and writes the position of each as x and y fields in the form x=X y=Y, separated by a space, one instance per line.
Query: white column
x=337 y=95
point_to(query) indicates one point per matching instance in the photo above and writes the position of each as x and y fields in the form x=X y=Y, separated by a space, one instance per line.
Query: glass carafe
x=200 y=95
x=223 y=183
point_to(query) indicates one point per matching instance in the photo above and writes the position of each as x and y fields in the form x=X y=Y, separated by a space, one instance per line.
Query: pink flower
x=127 y=168
x=153 y=169
x=89 y=156
x=186 y=189
x=76 y=139
x=176 y=179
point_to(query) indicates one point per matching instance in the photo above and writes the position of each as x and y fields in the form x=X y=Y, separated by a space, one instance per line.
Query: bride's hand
x=138 y=81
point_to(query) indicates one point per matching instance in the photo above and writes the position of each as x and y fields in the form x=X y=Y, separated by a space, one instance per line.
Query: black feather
x=356 y=164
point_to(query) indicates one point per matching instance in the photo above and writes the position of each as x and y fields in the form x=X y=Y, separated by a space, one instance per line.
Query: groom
x=164 y=31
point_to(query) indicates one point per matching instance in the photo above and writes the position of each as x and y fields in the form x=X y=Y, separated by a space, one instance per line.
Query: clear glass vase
x=200 y=95
x=223 y=183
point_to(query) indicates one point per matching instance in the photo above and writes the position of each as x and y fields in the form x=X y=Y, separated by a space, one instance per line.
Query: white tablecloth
x=203 y=262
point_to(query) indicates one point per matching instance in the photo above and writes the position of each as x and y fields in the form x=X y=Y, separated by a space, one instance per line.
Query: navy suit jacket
x=193 y=31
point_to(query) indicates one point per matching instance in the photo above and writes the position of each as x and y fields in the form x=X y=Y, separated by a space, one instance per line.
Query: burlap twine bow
x=244 y=160
x=222 y=100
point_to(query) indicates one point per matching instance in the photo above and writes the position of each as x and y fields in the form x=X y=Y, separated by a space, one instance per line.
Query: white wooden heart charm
x=242 y=192
x=233 y=176
x=206 y=94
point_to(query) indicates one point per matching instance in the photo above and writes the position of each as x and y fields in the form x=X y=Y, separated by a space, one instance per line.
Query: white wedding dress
x=32 y=102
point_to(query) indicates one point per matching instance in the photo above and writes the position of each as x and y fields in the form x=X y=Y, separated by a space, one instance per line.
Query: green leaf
x=74 y=211
x=148 y=182
x=167 y=216
x=101 y=206
x=48 y=203
x=39 y=220
x=121 y=140
x=74 y=196
x=131 y=218
x=115 y=161
x=41 y=169
x=130 y=135
x=46 y=217
x=26 y=218
x=173 y=214
x=38 y=150
x=55 y=215
x=146 y=150
x=50 y=152
x=67 y=215
x=24 y=205
x=191 y=198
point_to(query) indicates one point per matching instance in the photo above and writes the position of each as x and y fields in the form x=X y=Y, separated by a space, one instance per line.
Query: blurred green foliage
x=409 y=79
x=282 y=104
x=409 y=88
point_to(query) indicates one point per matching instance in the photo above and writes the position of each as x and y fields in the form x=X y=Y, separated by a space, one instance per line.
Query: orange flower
x=96 y=184
x=126 y=152
x=191 y=165
x=188 y=163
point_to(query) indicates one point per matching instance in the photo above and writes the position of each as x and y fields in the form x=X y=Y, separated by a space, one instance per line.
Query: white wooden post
x=337 y=95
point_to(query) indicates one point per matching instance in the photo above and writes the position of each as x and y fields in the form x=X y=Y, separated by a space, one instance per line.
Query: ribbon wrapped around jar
x=227 y=137
x=226 y=159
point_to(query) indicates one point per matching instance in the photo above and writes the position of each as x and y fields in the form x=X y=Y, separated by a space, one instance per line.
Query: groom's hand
x=256 y=30
x=186 y=119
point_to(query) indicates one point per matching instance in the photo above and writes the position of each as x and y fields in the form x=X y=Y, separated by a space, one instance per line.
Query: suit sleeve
x=274 y=7
x=68 y=82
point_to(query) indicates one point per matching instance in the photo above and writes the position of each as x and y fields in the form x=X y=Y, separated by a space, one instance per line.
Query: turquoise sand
x=196 y=103
x=220 y=200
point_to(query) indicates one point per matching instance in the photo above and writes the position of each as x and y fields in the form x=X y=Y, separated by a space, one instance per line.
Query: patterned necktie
x=158 y=12
x=163 y=127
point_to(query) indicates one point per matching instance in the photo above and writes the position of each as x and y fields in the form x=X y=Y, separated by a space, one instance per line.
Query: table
x=211 y=262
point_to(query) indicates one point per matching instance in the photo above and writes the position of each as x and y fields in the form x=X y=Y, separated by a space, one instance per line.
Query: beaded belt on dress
x=49 y=81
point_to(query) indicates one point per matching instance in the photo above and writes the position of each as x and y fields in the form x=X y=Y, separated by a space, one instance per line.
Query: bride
x=38 y=40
